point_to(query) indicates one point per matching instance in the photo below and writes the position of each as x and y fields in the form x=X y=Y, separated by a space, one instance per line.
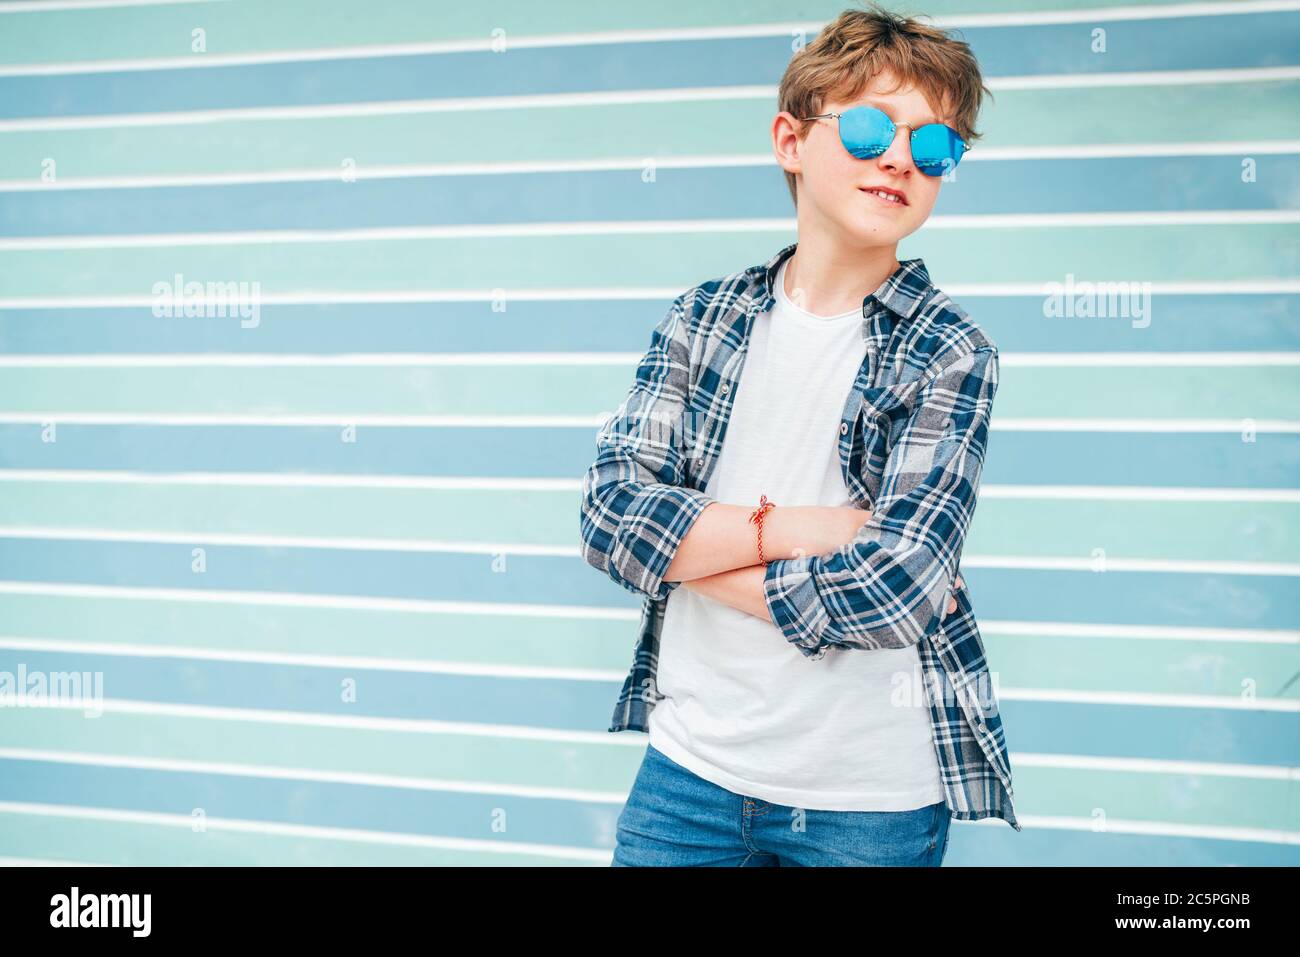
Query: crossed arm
x=718 y=558
x=842 y=578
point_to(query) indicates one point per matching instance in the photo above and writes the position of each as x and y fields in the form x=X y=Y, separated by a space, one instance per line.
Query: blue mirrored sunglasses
x=867 y=132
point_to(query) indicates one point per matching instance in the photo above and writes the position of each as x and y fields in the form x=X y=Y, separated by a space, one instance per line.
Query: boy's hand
x=952 y=602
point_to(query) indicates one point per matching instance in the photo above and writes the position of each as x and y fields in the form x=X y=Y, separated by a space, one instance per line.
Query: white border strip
x=1092 y=15
x=1147 y=78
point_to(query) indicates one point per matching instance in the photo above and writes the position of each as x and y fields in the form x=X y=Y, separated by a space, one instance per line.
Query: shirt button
x=844 y=428
x=726 y=387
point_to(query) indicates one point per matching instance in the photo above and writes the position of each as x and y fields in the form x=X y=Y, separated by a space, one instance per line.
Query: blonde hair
x=859 y=44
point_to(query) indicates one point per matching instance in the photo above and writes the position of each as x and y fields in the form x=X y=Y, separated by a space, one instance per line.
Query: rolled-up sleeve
x=635 y=508
x=888 y=588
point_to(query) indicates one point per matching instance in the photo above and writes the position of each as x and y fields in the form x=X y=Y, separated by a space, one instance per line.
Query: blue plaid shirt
x=912 y=441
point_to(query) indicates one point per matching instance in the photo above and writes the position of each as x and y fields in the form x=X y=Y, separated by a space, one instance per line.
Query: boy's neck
x=833 y=279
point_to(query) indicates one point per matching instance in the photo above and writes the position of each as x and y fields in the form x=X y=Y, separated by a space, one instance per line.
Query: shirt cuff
x=651 y=531
x=795 y=607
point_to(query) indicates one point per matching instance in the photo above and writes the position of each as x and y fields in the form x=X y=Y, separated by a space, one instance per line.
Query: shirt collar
x=901 y=293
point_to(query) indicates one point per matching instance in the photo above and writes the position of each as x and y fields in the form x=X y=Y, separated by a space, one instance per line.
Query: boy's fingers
x=952 y=605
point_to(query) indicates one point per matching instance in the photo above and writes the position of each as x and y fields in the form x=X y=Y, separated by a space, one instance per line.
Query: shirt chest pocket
x=881 y=419
x=878 y=424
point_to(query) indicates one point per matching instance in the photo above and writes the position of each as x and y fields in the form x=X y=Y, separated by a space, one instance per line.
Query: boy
x=808 y=666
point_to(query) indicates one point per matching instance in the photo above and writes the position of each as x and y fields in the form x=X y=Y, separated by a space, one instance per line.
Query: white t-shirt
x=743 y=707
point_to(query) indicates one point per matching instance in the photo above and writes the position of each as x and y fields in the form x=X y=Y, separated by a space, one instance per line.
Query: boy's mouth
x=886 y=195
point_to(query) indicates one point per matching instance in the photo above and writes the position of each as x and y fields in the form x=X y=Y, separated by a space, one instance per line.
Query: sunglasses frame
x=965 y=147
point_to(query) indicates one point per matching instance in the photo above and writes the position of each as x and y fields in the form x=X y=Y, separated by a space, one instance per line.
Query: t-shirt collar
x=901 y=293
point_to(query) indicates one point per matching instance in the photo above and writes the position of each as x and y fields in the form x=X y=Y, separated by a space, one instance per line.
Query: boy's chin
x=873 y=231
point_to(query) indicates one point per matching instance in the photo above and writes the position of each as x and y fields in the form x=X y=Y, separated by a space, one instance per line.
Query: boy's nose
x=900 y=148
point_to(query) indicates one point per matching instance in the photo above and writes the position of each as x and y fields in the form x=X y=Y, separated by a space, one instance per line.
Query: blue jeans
x=675 y=818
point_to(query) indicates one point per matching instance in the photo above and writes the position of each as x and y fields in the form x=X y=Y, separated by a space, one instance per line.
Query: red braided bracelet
x=757 y=518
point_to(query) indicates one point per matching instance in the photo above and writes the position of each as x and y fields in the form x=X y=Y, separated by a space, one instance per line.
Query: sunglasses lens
x=936 y=149
x=865 y=131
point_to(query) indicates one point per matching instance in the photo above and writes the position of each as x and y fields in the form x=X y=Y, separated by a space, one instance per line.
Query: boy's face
x=834 y=186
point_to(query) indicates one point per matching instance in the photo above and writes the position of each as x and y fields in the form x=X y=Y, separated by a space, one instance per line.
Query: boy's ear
x=785 y=141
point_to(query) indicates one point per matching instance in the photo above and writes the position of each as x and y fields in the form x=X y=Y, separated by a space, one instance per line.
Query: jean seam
x=746 y=819
x=935 y=827
x=941 y=842
x=631 y=830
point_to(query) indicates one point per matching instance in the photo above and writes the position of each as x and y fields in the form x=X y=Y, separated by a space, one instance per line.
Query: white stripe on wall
x=44 y=6
x=1136 y=493
x=231 y=769
x=140 y=360
x=1090 y=15
x=1113 y=825
x=299 y=830
x=705 y=161
x=615 y=98
x=431 y=666
x=249 y=540
x=426 y=606
x=278 y=772
x=657 y=294
x=595 y=421
x=352 y=722
x=1189 y=217
x=1065 y=629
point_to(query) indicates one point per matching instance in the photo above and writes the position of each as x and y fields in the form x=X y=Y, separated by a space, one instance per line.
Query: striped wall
x=325 y=558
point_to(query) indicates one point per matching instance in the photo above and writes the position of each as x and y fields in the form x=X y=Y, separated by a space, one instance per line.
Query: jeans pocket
x=945 y=830
x=938 y=811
